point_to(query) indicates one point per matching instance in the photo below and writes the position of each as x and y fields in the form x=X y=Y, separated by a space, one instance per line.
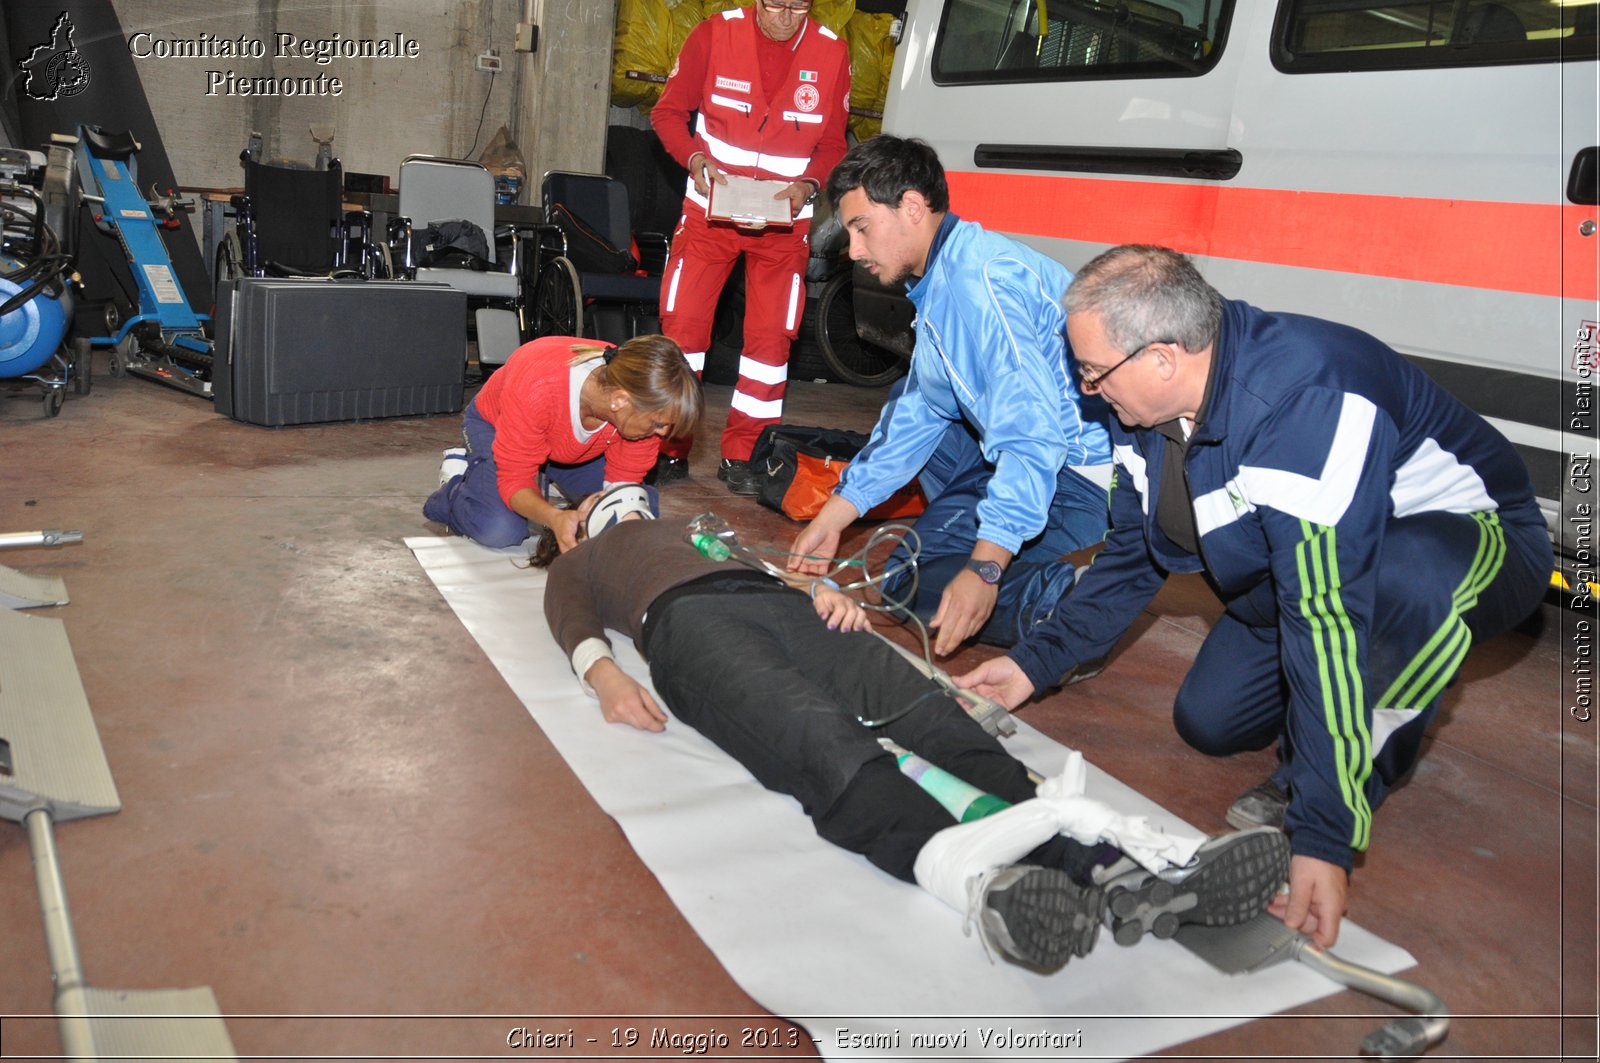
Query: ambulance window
x=1313 y=36
x=1061 y=40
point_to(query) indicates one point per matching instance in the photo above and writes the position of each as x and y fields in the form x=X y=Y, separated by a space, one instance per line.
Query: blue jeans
x=955 y=480
x=470 y=504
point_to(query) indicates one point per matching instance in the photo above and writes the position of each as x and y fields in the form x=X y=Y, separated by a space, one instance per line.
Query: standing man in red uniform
x=772 y=92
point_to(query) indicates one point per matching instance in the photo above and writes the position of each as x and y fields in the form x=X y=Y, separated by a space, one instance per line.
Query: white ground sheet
x=870 y=966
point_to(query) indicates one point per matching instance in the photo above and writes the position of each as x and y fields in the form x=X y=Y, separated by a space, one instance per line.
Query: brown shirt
x=611 y=581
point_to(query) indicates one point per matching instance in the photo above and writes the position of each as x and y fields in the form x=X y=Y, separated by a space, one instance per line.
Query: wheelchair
x=592 y=275
x=439 y=195
x=291 y=222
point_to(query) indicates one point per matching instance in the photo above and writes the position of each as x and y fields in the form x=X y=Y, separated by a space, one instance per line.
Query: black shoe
x=1265 y=805
x=667 y=470
x=1039 y=918
x=740 y=477
x=1230 y=881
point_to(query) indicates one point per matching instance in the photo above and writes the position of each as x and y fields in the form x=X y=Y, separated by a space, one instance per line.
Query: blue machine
x=38 y=214
x=164 y=339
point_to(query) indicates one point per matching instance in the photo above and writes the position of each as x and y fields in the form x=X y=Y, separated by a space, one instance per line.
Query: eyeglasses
x=1089 y=383
x=795 y=7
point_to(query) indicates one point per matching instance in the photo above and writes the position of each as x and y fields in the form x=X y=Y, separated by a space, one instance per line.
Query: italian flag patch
x=808 y=75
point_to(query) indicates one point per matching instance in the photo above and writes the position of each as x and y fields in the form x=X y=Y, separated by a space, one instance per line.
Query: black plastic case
x=303 y=350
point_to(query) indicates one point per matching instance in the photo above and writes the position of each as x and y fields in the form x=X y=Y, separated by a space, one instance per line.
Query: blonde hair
x=653 y=373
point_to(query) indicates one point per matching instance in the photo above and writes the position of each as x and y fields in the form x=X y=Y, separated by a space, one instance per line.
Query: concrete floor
x=333 y=805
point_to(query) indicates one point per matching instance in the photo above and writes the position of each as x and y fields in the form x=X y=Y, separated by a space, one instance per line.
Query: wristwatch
x=988 y=571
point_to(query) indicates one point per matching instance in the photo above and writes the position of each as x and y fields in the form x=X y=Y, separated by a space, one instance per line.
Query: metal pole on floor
x=77 y=1041
x=47 y=537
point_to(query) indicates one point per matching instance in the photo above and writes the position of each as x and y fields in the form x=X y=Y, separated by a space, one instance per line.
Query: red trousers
x=774 y=298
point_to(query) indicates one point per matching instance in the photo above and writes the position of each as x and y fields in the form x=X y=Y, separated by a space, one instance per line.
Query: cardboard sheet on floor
x=867 y=964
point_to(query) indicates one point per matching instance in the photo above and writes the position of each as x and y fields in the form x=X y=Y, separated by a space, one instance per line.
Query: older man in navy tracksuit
x=1361 y=526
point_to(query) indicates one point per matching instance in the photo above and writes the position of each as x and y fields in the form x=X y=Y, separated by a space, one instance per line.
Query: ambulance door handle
x=1583 y=181
x=1195 y=164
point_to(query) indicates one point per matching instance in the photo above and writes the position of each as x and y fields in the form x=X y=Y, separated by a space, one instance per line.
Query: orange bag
x=800 y=469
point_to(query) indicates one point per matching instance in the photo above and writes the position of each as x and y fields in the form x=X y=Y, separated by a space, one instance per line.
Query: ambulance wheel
x=853 y=359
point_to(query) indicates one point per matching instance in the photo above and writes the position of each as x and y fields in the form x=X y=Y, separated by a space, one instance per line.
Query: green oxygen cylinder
x=960 y=798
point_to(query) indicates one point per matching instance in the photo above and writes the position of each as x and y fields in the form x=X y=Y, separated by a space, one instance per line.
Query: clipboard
x=749 y=203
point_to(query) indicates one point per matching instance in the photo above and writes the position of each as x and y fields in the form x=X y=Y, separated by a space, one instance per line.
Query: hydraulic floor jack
x=164 y=339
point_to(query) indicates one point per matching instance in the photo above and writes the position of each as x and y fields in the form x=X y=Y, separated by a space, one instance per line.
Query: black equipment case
x=300 y=350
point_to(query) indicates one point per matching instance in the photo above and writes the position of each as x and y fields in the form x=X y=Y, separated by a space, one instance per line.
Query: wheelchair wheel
x=557 y=300
x=383 y=262
x=855 y=360
x=229 y=265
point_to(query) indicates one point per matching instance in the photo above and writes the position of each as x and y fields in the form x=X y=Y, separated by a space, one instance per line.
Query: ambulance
x=1425 y=170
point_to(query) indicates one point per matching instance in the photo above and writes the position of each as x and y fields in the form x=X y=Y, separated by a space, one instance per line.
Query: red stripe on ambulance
x=1514 y=247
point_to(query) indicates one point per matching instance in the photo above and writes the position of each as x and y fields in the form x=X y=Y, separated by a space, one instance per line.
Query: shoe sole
x=1233 y=885
x=1045 y=919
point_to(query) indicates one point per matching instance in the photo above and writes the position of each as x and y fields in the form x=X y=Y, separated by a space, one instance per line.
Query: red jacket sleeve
x=681 y=96
x=522 y=440
x=831 y=146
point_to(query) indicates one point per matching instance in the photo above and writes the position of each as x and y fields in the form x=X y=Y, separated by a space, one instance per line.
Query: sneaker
x=454 y=464
x=1229 y=881
x=740 y=477
x=1037 y=917
x=667 y=470
x=1260 y=806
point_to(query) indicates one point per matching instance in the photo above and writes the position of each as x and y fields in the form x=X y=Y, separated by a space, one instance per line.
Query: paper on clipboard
x=750 y=203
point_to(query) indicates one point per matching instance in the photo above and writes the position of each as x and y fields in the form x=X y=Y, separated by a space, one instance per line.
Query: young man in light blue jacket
x=988 y=418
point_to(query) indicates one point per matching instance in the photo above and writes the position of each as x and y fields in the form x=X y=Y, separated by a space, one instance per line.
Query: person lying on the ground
x=789 y=683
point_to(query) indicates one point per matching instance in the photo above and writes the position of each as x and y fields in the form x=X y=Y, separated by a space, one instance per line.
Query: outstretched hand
x=964 y=607
x=1000 y=680
x=840 y=611
x=624 y=699
x=565 y=525
x=1316 y=901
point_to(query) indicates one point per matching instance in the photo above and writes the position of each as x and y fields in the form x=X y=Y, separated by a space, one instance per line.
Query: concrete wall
x=554 y=101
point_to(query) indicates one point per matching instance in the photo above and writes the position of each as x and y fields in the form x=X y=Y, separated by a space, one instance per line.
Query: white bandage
x=1087 y=820
x=956 y=855
x=584 y=657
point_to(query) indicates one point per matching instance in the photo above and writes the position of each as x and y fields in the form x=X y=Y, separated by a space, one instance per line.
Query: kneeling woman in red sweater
x=568 y=411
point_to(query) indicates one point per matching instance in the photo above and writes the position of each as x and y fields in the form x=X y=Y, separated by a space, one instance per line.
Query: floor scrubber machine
x=38 y=217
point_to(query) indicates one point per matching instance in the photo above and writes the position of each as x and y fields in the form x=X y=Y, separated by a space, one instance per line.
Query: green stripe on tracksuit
x=1431 y=670
x=1343 y=697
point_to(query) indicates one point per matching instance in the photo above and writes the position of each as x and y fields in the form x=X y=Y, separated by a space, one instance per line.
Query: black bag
x=587 y=249
x=799 y=468
x=454 y=244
